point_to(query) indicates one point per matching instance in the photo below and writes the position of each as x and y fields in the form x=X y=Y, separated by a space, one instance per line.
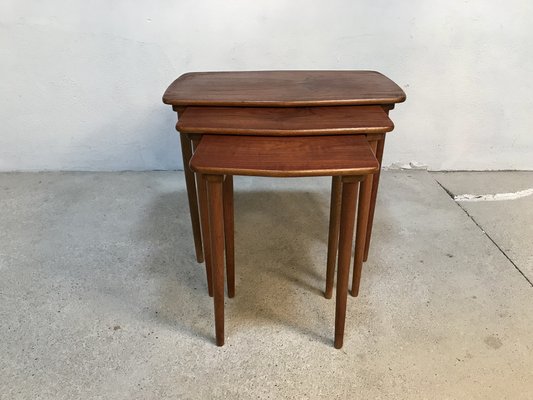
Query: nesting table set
x=283 y=124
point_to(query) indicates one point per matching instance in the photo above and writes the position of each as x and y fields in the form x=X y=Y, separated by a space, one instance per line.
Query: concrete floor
x=508 y=223
x=100 y=296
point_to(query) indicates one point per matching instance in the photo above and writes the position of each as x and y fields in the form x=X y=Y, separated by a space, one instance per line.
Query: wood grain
x=216 y=231
x=349 y=195
x=284 y=156
x=283 y=89
x=365 y=197
x=186 y=152
x=229 y=238
x=333 y=236
x=375 y=185
x=271 y=121
x=203 y=212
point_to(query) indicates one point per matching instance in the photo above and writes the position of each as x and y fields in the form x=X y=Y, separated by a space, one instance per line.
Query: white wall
x=81 y=81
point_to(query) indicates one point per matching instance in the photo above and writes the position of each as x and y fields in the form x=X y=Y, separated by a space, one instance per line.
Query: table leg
x=186 y=152
x=204 y=220
x=229 y=234
x=216 y=223
x=349 y=196
x=333 y=236
x=363 y=209
x=375 y=184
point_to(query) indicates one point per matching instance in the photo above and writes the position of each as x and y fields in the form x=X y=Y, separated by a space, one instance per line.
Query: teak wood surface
x=277 y=121
x=347 y=214
x=292 y=89
x=216 y=239
x=284 y=157
x=279 y=89
x=217 y=158
x=282 y=89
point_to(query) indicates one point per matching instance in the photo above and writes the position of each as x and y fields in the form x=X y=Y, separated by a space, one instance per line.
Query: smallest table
x=349 y=157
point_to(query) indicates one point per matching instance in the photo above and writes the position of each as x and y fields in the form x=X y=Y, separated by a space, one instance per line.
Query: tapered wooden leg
x=375 y=184
x=186 y=152
x=362 y=222
x=333 y=236
x=216 y=224
x=349 y=196
x=229 y=234
x=204 y=218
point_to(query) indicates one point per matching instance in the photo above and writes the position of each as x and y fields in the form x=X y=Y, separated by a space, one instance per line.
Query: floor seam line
x=484 y=232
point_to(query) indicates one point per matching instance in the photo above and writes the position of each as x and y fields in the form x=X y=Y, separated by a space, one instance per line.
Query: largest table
x=279 y=89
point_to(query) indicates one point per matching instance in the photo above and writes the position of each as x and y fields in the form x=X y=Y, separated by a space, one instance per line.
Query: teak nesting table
x=348 y=158
x=284 y=103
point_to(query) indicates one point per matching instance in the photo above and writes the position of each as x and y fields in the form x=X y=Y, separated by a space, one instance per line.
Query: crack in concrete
x=485 y=233
x=494 y=197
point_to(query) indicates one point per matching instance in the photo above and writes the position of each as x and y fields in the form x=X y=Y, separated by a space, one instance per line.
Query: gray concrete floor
x=508 y=223
x=100 y=296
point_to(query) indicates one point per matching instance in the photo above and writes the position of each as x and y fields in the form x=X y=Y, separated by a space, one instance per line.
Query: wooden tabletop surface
x=283 y=89
x=284 y=157
x=278 y=121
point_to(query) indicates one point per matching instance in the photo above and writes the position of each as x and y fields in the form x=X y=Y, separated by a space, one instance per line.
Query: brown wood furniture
x=288 y=121
x=348 y=158
x=370 y=121
x=283 y=89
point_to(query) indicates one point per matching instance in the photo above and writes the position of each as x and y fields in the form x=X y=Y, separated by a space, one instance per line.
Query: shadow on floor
x=276 y=237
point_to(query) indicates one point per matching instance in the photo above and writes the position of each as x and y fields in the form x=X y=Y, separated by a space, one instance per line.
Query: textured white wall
x=81 y=81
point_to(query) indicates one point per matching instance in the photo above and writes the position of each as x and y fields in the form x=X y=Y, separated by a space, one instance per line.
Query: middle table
x=371 y=121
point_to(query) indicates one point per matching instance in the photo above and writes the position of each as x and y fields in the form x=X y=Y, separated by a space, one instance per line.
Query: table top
x=276 y=121
x=282 y=89
x=284 y=157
